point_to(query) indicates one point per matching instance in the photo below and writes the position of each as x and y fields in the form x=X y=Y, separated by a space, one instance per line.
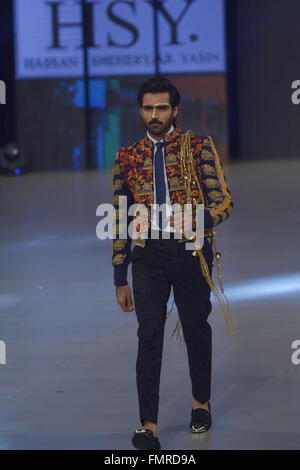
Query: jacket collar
x=168 y=138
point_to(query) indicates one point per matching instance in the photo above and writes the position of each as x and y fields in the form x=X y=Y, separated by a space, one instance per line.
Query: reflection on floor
x=69 y=377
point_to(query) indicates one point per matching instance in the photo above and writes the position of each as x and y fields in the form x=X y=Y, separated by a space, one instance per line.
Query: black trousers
x=155 y=268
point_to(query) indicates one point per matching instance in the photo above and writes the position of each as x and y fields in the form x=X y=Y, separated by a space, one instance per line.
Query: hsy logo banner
x=120 y=37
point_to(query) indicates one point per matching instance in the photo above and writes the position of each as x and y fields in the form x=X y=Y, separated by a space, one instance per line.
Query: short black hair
x=159 y=85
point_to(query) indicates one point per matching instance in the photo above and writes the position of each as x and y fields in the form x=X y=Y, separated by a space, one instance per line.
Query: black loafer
x=200 y=420
x=144 y=439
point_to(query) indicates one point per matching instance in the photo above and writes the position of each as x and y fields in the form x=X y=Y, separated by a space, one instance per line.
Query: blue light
x=264 y=287
x=97 y=91
x=76 y=158
x=17 y=171
x=100 y=153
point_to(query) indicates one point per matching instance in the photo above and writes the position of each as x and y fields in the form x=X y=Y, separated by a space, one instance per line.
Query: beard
x=157 y=127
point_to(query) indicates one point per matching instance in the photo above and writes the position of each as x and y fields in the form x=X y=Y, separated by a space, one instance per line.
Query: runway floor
x=69 y=377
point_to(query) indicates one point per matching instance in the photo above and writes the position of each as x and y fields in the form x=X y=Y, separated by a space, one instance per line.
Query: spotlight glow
x=265 y=287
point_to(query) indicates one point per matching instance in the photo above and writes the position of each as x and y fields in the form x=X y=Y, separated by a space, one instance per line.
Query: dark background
x=263 y=38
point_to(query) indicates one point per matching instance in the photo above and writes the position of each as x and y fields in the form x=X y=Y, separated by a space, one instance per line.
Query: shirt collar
x=161 y=140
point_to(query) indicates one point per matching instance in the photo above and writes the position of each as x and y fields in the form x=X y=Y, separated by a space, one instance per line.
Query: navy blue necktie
x=160 y=186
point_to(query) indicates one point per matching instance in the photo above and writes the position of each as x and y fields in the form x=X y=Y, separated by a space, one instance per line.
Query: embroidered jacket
x=133 y=177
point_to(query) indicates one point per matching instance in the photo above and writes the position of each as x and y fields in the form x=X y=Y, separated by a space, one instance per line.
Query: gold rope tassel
x=214 y=289
x=178 y=335
x=227 y=303
x=220 y=298
x=177 y=328
x=188 y=173
x=169 y=312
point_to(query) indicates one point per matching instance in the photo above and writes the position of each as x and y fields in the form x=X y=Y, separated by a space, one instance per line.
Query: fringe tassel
x=176 y=329
x=220 y=297
x=169 y=312
x=225 y=302
x=178 y=335
x=188 y=172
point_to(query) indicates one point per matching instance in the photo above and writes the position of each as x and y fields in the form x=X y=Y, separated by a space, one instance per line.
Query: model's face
x=157 y=113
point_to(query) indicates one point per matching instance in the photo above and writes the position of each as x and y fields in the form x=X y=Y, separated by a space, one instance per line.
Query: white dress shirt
x=169 y=211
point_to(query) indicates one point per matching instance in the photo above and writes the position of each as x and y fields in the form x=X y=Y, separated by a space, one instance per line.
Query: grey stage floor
x=69 y=377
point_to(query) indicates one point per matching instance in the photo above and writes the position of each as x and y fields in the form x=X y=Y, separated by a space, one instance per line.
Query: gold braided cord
x=223 y=183
x=188 y=174
x=170 y=311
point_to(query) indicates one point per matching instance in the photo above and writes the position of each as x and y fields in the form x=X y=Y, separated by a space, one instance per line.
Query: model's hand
x=177 y=221
x=124 y=298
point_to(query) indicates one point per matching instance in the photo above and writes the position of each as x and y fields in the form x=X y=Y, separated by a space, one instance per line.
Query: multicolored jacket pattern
x=133 y=177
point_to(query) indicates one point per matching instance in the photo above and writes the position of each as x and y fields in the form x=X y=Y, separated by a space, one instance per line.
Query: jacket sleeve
x=219 y=204
x=121 y=247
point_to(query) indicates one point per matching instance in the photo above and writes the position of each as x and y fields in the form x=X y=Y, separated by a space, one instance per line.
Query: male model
x=151 y=172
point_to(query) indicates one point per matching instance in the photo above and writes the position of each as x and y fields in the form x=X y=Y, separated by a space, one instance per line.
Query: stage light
x=11 y=159
x=268 y=287
x=11 y=151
